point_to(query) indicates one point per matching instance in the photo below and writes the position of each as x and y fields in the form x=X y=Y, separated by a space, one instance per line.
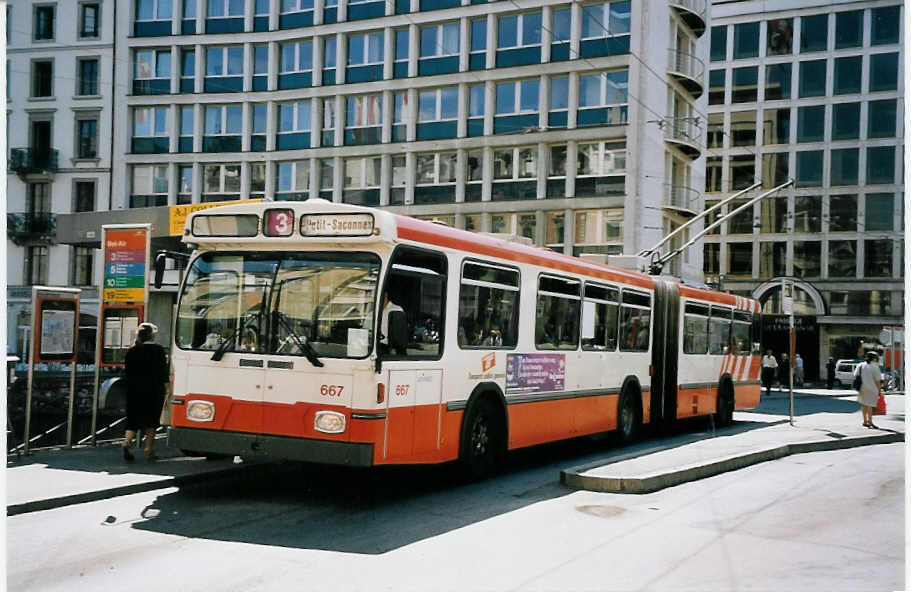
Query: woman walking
x=146 y=367
x=871 y=382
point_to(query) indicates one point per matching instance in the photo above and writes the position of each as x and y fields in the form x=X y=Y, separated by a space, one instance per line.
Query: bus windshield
x=313 y=303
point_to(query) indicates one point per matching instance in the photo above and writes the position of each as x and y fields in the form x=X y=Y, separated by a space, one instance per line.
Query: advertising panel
x=125 y=264
x=535 y=373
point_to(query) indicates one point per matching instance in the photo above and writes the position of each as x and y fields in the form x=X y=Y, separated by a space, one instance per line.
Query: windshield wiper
x=228 y=340
x=301 y=341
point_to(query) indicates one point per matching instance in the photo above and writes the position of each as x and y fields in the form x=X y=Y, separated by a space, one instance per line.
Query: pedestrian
x=784 y=379
x=146 y=367
x=798 y=370
x=830 y=373
x=870 y=387
x=769 y=367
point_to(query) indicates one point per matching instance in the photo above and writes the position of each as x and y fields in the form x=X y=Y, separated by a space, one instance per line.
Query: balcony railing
x=688 y=70
x=683 y=133
x=24 y=161
x=31 y=227
x=692 y=12
x=684 y=200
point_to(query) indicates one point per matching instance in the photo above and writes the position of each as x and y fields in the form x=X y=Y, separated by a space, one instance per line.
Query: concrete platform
x=824 y=420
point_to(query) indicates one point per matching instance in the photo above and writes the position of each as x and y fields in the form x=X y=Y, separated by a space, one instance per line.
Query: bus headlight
x=329 y=422
x=200 y=411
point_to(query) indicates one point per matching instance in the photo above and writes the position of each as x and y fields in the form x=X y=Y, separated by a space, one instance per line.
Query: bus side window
x=719 y=331
x=635 y=321
x=740 y=333
x=417 y=284
x=488 y=306
x=557 y=313
x=599 y=318
x=695 y=329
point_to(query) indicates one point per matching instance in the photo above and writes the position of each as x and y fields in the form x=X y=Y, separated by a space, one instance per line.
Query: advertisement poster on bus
x=535 y=373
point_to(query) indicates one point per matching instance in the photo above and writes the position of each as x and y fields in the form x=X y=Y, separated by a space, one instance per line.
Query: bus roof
x=391 y=228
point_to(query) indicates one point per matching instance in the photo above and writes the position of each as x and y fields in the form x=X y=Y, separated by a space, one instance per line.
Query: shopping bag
x=880 y=408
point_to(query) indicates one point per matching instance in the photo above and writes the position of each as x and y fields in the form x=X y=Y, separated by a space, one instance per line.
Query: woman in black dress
x=146 y=368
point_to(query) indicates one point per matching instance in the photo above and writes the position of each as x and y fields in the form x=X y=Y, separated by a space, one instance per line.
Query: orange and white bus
x=285 y=348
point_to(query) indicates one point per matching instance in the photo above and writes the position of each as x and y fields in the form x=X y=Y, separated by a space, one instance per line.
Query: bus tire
x=724 y=414
x=482 y=443
x=629 y=416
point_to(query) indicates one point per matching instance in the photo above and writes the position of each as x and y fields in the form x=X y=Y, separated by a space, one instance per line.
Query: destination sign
x=337 y=224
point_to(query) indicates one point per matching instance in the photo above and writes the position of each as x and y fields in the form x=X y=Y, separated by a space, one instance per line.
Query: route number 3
x=401 y=390
x=331 y=390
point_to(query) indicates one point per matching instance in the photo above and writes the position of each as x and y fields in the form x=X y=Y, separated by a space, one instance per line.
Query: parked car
x=844 y=372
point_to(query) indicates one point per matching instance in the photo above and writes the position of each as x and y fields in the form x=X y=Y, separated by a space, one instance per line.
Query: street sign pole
x=787 y=304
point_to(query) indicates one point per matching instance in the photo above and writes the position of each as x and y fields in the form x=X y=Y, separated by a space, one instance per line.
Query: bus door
x=410 y=346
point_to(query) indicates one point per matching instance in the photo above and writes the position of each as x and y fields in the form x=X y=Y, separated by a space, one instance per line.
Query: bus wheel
x=481 y=441
x=725 y=406
x=627 y=417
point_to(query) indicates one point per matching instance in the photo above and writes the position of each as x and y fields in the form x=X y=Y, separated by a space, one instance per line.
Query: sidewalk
x=52 y=478
x=824 y=420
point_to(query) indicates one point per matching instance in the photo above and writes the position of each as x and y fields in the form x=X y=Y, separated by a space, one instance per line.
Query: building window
x=598 y=231
x=554 y=231
x=294 y=117
x=225 y=8
x=843 y=213
x=88 y=77
x=717 y=82
x=187 y=70
x=811 y=124
x=745 y=84
x=220 y=182
x=290 y=7
x=150 y=186
x=517 y=97
x=152 y=71
x=772 y=259
x=433 y=172
x=773 y=215
x=184 y=184
x=884 y=23
x=743 y=128
x=260 y=60
x=774 y=169
x=807 y=213
x=150 y=122
x=440 y=40
x=84 y=200
x=847 y=75
x=807 y=259
x=776 y=126
x=809 y=168
x=82 y=266
x=224 y=120
x=713 y=167
x=779 y=37
x=740 y=259
x=36 y=260
x=224 y=61
x=719 y=43
x=292 y=180
x=742 y=171
x=519 y=30
x=881 y=165
x=845 y=121
x=711 y=253
x=362 y=180
x=189 y=10
x=601 y=20
x=604 y=89
x=153 y=10
x=88 y=20
x=879 y=215
x=364 y=119
x=87 y=138
x=296 y=57
x=814 y=33
x=881 y=119
x=438 y=105
x=842 y=258
x=849 y=29
x=812 y=79
x=777 y=82
x=877 y=258
x=844 y=169
x=883 y=71
x=44 y=22
x=746 y=40
x=42 y=78
x=365 y=49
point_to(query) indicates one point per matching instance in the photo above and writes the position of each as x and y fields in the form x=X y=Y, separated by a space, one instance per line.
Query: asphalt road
x=819 y=521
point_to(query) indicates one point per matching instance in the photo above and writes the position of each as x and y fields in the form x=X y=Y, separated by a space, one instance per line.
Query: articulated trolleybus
x=339 y=334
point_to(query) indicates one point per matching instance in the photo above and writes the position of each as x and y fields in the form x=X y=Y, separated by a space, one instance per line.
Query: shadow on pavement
x=807 y=404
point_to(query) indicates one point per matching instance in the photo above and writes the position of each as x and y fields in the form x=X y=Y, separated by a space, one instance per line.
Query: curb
x=100 y=494
x=576 y=478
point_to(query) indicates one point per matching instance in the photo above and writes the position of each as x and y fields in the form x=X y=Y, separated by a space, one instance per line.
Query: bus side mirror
x=160 y=260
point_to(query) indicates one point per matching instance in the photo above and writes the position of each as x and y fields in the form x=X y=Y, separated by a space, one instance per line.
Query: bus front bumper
x=265 y=447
